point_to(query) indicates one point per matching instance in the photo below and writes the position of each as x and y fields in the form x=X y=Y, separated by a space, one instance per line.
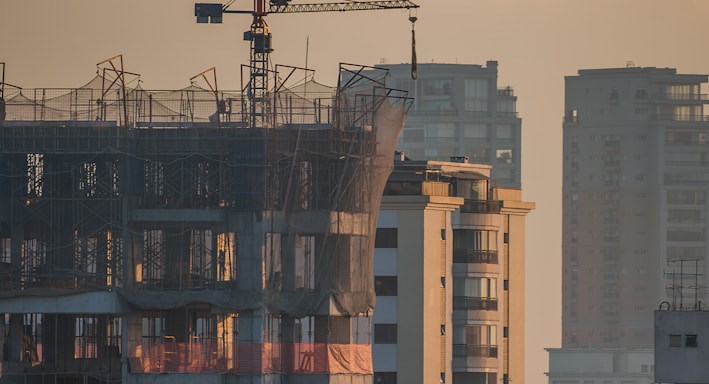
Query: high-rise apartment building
x=459 y=110
x=635 y=185
x=161 y=237
x=449 y=277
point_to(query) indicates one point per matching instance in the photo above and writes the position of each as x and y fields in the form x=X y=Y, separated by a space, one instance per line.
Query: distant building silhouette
x=459 y=110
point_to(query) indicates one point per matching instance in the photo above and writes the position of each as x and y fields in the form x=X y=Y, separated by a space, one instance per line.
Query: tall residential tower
x=635 y=183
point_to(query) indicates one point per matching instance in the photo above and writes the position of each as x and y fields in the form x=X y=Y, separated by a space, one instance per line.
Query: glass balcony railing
x=475 y=256
x=472 y=350
x=475 y=303
x=481 y=206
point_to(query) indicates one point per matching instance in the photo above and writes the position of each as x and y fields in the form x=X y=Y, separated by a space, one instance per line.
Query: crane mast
x=257 y=91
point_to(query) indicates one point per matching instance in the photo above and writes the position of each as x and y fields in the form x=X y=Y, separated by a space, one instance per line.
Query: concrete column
x=176 y=256
x=131 y=341
x=101 y=258
x=249 y=262
x=16 y=240
x=250 y=343
x=58 y=332
x=14 y=341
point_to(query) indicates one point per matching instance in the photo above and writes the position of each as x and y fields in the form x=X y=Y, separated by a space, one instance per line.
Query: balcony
x=475 y=303
x=507 y=114
x=472 y=350
x=481 y=206
x=475 y=256
x=506 y=91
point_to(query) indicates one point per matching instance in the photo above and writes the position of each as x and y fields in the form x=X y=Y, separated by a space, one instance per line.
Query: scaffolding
x=147 y=232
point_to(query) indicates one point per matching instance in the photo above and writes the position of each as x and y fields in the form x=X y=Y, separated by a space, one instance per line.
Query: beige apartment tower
x=449 y=271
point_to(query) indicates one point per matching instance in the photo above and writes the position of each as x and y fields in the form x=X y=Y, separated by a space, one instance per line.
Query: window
x=384 y=378
x=386 y=238
x=480 y=240
x=504 y=156
x=437 y=87
x=685 y=235
x=506 y=108
x=478 y=154
x=475 y=340
x=675 y=340
x=476 y=95
x=475 y=246
x=440 y=130
x=504 y=131
x=475 y=131
x=385 y=285
x=472 y=189
x=475 y=293
x=385 y=334
x=690 y=341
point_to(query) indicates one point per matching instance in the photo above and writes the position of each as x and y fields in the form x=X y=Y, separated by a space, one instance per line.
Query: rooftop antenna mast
x=259 y=36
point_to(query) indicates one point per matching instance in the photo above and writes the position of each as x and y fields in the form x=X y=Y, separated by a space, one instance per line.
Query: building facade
x=449 y=277
x=635 y=184
x=459 y=110
x=157 y=237
x=681 y=345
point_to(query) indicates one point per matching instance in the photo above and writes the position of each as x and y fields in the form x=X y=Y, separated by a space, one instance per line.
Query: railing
x=149 y=109
x=481 y=206
x=474 y=256
x=507 y=91
x=437 y=112
x=472 y=350
x=571 y=119
x=680 y=96
x=679 y=118
x=475 y=303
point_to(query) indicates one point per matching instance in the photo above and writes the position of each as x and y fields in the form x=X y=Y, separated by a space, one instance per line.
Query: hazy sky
x=56 y=43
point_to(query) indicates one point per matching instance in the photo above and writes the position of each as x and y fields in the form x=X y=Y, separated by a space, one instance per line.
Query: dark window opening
x=690 y=341
x=385 y=285
x=386 y=238
x=385 y=334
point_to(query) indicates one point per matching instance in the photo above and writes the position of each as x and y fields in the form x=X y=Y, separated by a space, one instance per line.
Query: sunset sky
x=50 y=43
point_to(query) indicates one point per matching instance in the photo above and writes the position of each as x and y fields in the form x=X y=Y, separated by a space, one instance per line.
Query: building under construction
x=185 y=236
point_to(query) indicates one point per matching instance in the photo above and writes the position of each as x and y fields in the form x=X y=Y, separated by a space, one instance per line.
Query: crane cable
x=414 y=69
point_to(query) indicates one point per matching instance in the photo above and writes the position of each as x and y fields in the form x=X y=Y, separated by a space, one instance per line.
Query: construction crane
x=260 y=38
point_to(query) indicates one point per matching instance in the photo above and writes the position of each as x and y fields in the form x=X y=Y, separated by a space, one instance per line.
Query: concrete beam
x=88 y=302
